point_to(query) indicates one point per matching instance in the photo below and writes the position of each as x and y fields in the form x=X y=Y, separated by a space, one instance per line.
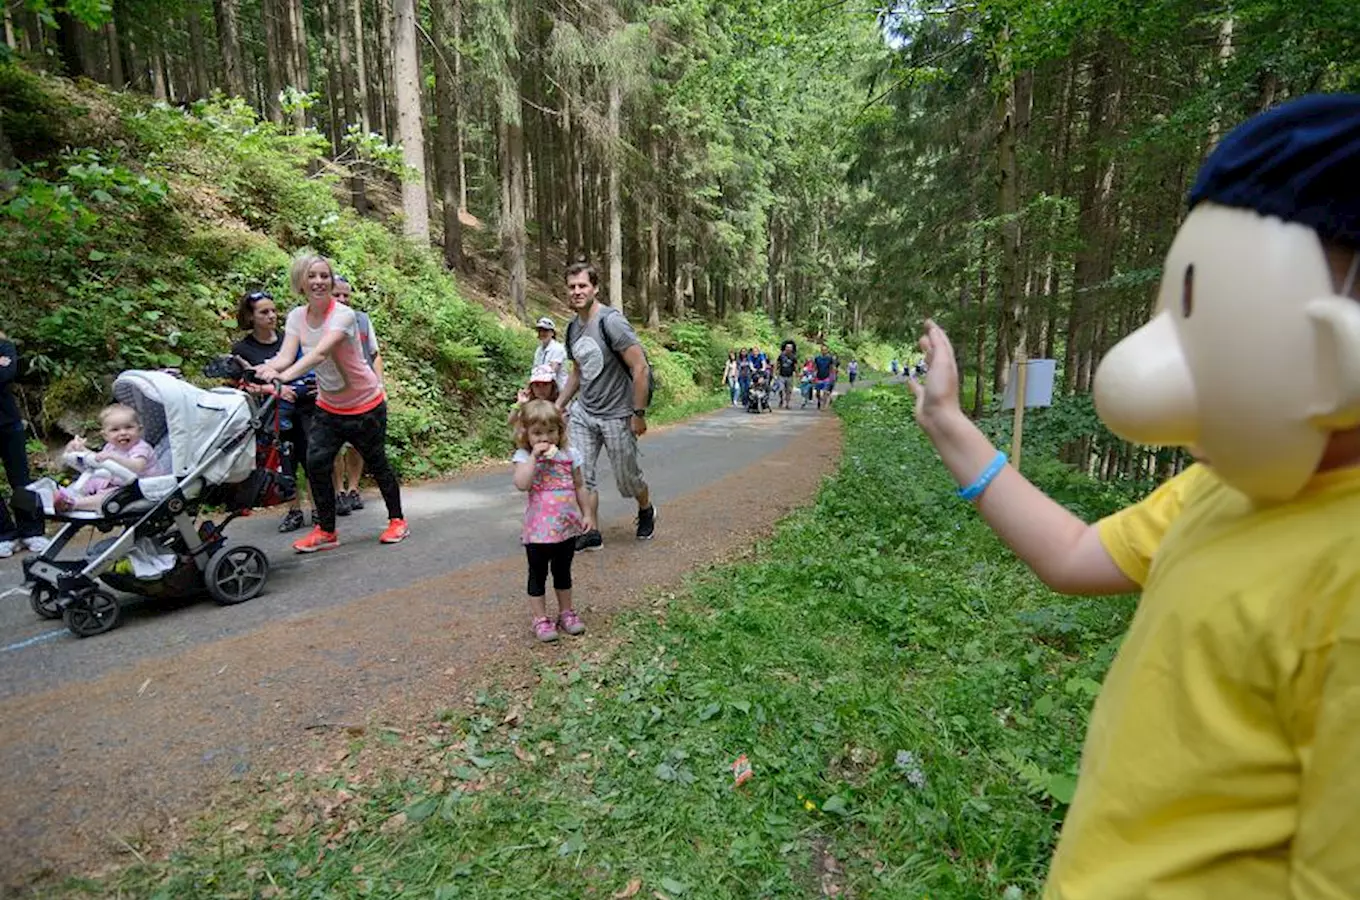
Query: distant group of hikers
x=752 y=377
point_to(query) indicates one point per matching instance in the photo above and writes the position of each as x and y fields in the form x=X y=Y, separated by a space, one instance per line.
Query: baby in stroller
x=203 y=450
x=124 y=457
x=758 y=396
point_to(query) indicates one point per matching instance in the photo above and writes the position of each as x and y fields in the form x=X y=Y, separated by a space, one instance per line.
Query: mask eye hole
x=1188 y=292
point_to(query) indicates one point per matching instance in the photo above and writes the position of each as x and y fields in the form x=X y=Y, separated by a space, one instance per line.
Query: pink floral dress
x=551 y=515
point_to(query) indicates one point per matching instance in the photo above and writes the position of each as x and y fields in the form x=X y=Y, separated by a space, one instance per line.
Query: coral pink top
x=346 y=385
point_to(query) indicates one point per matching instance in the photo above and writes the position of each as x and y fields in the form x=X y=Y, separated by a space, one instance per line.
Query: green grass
x=911 y=699
x=703 y=403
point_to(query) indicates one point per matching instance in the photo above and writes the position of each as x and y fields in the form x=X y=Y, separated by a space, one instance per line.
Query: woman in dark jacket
x=24 y=527
x=259 y=318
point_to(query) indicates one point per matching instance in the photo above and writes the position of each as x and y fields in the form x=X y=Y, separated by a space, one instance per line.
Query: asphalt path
x=454 y=524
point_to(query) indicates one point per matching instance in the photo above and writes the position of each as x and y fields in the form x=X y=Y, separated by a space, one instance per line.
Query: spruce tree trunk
x=159 y=86
x=33 y=38
x=542 y=149
x=512 y=212
x=304 y=65
x=336 y=95
x=294 y=45
x=615 y=204
x=1093 y=215
x=572 y=174
x=1012 y=331
x=980 y=347
x=68 y=44
x=653 y=226
x=386 y=26
x=406 y=73
x=199 y=85
x=456 y=13
x=359 y=77
x=117 y=78
x=229 y=39
x=376 y=62
x=446 y=103
x=273 y=57
x=337 y=34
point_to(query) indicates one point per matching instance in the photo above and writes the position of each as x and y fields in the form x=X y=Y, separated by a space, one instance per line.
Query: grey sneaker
x=591 y=540
x=6 y=549
x=36 y=544
x=646 y=523
x=570 y=622
x=355 y=501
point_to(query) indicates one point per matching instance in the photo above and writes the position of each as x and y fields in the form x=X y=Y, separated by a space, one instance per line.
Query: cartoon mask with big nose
x=1253 y=356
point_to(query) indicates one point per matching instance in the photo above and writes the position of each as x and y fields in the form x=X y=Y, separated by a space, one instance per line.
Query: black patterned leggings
x=545 y=556
x=367 y=433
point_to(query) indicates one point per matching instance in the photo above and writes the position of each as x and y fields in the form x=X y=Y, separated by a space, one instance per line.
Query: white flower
x=910 y=768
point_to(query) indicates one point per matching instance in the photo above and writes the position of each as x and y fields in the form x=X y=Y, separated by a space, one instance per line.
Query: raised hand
x=938 y=397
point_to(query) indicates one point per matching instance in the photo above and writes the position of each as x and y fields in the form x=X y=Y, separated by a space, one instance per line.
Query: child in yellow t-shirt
x=1223 y=754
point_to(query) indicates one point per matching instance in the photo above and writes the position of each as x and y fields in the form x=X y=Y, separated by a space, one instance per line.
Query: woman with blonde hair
x=350 y=405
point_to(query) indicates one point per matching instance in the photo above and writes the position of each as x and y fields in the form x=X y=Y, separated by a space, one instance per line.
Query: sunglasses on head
x=257 y=296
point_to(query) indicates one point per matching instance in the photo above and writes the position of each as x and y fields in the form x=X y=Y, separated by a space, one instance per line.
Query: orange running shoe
x=396 y=532
x=317 y=540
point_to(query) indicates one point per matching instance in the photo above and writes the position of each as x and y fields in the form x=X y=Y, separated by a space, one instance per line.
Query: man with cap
x=1223 y=753
x=550 y=351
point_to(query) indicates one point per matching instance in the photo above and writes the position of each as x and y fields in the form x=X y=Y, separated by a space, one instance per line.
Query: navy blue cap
x=1299 y=162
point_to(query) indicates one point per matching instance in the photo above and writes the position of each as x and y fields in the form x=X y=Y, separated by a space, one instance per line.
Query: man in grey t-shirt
x=610 y=379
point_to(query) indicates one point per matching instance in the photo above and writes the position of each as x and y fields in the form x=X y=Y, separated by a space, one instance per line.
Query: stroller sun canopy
x=193 y=423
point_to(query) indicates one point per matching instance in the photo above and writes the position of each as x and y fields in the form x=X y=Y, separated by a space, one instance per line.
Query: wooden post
x=1019 y=426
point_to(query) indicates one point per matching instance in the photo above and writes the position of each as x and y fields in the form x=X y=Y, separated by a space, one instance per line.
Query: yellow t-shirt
x=1222 y=760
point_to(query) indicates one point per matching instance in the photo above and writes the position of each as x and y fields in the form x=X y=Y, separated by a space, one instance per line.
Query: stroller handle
x=234 y=368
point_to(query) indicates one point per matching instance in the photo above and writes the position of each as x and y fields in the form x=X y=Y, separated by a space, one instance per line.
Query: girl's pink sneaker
x=570 y=622
x=544 y=630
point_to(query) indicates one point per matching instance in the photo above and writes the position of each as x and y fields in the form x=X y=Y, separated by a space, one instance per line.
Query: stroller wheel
x=43 y=599
x=95 y=613
x=236 y=574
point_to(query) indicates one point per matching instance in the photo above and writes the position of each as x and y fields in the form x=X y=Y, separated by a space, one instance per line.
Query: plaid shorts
x=588 y=434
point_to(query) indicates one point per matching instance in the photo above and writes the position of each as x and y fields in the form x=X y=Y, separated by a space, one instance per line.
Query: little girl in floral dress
x=551 y=474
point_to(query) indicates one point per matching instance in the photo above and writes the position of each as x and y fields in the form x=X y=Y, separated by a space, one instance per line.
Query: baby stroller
x=207 y=441
x=758 y=396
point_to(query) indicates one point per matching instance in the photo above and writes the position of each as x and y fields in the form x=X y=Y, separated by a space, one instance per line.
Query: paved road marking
x=36 y=639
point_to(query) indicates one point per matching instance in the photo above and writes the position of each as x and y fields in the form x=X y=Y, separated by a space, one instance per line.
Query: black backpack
x=574 y=328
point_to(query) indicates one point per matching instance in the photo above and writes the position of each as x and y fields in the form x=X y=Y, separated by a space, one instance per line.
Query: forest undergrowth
x=910 y=700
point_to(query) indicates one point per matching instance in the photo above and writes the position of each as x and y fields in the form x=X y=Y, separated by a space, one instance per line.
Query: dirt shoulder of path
x=145 y=752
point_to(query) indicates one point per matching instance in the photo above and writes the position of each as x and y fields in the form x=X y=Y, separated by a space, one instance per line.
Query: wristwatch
x=640 y=413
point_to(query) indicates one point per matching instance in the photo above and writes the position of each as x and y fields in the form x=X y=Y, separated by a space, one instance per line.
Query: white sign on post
x=1039 y=377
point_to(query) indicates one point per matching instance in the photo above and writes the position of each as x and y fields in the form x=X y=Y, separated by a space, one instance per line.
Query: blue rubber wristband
x=974 y=490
